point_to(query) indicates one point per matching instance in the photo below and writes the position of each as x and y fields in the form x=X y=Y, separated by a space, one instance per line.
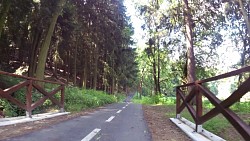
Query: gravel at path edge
x=161 y=128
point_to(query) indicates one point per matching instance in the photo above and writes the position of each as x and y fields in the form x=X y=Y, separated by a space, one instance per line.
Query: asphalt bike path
x=115 y=122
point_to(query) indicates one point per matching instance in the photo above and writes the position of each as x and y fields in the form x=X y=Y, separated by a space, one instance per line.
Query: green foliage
x=120 y=97
x=156 y=99
x=11 y=109
x=241 y=107
x=79 y=99
x=216 y=125
x=75 y=99
x=207 y=104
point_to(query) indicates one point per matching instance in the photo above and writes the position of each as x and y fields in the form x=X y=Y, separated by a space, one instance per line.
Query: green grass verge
x=79 y=99
x=157 y=99
x=75 y=99
x=216 y=125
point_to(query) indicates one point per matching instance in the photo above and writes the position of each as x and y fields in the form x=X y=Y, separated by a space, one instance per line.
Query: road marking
x=91 y=135
x=118 y=111
x=123 y=107
x=110 y=119
x=126 y=105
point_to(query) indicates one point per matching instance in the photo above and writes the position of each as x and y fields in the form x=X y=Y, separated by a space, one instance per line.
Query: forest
x=86 y=43
x=89 y=43
x=191 y=40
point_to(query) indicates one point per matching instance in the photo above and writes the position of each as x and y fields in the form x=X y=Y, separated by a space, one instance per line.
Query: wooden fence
x=197 y=91
x=30 y=84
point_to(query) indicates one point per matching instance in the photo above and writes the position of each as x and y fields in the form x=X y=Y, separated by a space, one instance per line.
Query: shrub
x=79 y=99
x=156 y=99
x=75 y=99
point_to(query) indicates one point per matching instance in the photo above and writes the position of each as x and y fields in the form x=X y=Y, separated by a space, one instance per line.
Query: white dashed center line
x=110 y=119
x=91 y=135
x=123 y=107
x=118 y=111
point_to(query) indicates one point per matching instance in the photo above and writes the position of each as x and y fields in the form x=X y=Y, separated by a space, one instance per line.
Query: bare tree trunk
x=151 y=43
x=46 y=43
x=158 y=64
x=96 y=57
x=190 y=48
x=3 y=13
x=85 y=71
x=68 y=66
x=33 y=52
x=245 y=16
x=75 y=64
x=245 y=39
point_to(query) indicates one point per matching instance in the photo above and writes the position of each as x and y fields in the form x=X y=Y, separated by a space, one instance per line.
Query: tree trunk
x=158 y=65
x=96 y=57
x=33 y=52
x=113 y=78
x=242 y=62
x=85 y=71
x=46 y=43
x=245 y=16
x=245 y=39
x=68 y=66
x=190 y=48
x=75 y=65
x=154 y=68
x=3 y=14
x=189 y=39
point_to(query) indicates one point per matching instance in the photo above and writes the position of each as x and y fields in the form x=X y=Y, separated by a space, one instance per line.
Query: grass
x=217 y=125
x=79 y=99
x=76 y=99
x=158 y=99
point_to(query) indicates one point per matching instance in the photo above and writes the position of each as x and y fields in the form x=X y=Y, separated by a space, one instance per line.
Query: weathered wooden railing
x=197 y=91
x=30 y=84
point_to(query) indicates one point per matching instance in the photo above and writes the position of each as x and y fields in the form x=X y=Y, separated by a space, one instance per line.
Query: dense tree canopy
x=183 y=38
x=86 y=42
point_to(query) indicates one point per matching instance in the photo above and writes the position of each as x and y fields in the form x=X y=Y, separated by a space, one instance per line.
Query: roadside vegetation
x=217 y=125
x=76 y=99
x=79 y=99
x=84 y=44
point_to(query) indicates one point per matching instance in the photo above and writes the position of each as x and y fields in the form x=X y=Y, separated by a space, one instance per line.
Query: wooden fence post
x=29 y=99
x=178 y=103
x=62 y=98
x=198 y=127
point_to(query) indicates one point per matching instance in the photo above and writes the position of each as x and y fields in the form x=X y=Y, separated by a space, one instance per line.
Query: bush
x=241 y=107
x=79 y=99
x=120 y=97
x=75 y=99
x=156 y=99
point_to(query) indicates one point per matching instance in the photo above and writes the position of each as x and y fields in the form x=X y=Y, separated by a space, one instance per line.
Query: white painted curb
x=189 y=128
x=23 y=119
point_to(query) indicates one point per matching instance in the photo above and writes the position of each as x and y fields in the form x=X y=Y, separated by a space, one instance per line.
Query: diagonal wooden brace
x=47 y=95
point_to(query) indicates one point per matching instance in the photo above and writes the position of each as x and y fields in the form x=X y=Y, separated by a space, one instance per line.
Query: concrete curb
x=23 y=119
x=189 y=128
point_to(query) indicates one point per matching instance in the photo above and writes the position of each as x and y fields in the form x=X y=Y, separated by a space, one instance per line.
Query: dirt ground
x=161 y=128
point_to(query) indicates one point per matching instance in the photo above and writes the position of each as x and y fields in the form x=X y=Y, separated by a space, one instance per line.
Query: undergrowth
x=156 y=99
x=216 y=125
x=76 y=99
x=79 y=99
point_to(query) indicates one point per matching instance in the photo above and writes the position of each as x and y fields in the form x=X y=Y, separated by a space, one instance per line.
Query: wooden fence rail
x=198 y=90
x=30 y=84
